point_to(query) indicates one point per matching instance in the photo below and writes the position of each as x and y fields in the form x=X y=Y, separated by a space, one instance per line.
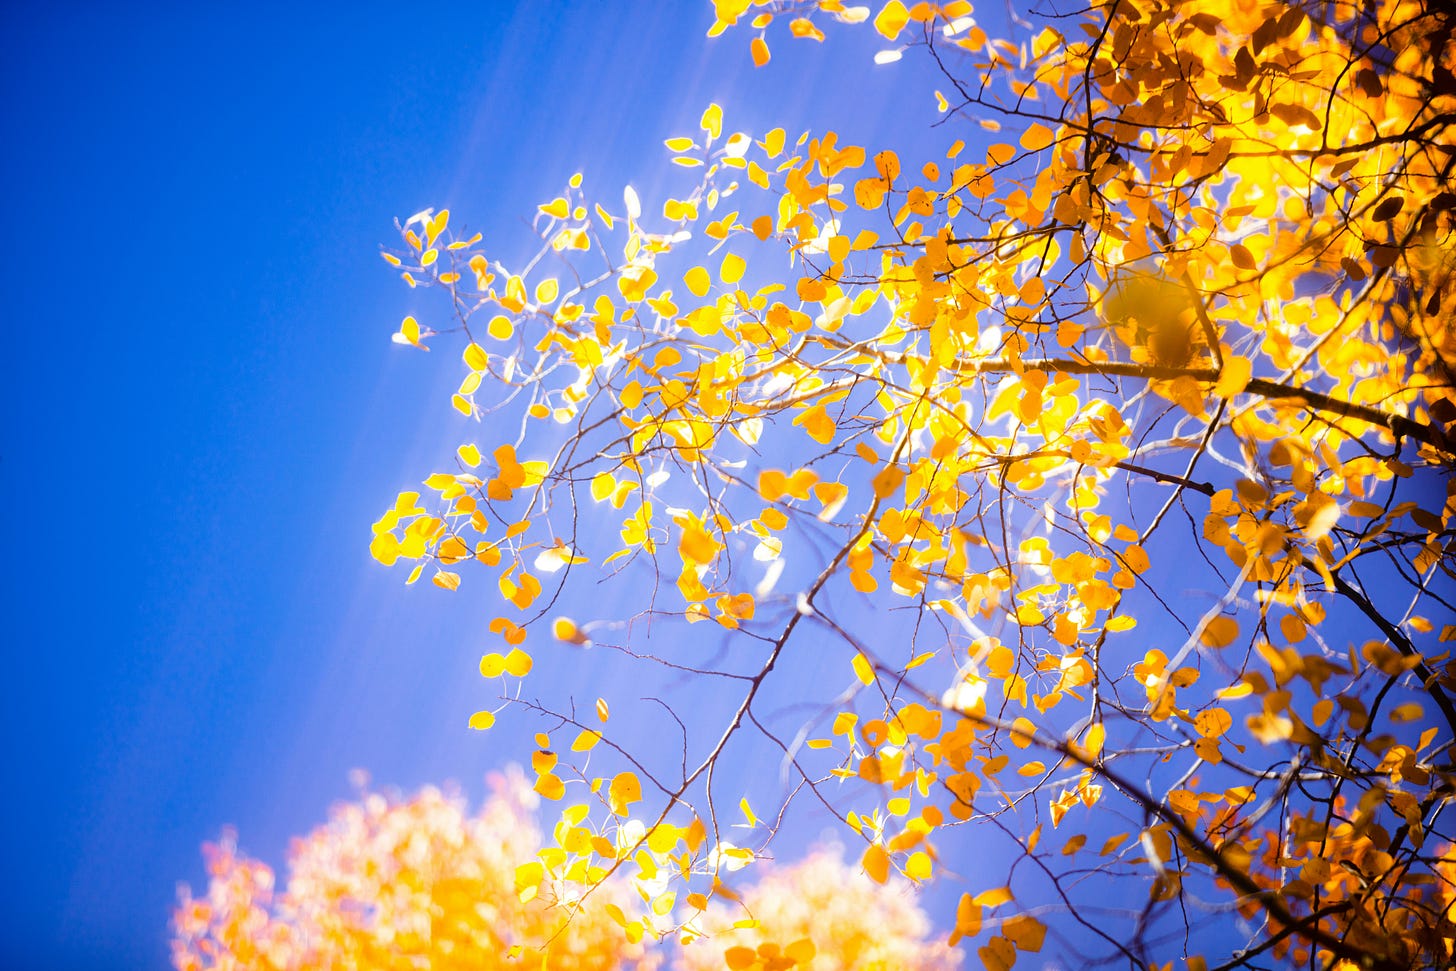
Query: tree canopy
x=1098 y=466
x=397 y=883
x=404 y=883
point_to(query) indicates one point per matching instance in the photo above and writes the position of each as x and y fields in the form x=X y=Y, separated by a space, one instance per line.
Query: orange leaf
x=1036 y=137
x=759 y=50
x=876 y=863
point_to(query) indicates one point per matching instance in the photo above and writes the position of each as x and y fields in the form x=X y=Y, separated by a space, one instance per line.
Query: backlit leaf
x=759 y=49
x=732 y=269
x=712 y=121
x=891 y=19
x=876 y=863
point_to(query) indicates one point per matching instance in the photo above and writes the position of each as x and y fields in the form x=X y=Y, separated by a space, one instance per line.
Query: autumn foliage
x=400 y=883
x=826 y=914
x=419 y=882
x=1106 y=448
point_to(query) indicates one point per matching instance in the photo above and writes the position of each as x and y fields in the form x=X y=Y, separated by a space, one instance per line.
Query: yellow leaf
x=543 y=761
x=624 y=790
x=550 y=786
x=887 y=164
x=482 y=720
x=1221 y=631
x=1025 y=931
x=1408 y=712
x=1022 y=732
x=500 y=327
x=918 y=866
x=385 y=548
x=862 y=670
x=564 y=629
x=732 y=269
x=453 y=550
x=1241 y=690
x=1209 y=750
x=968 y=917
x=529 y=876
x=698 y=281
x=892 y=19
x=919 y=659
x=517 y=663
x=469 y=454
x=586 y=741
x=1234 y=377
x=465 y=243
x=602 y=711
x=712 y=121
x=801 y=952
x=887 y=480
x=514 y=298
x=994 y=898
x=1213 y=722
x=1036 y=137
x=475 y=357
x=1112 y=844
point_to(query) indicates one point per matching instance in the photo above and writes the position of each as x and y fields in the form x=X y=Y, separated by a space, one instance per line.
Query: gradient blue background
x=203 y=412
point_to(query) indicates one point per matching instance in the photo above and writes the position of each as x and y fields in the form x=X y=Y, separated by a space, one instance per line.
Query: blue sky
x=204 y=411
